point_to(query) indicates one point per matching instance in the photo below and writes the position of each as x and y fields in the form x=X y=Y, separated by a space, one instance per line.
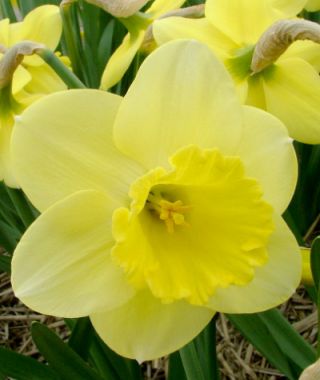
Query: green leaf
x=22 y=367
x=288 y=339
x=24 y=209
x=315 y=261
x=277 y=340
x=191 y=363
x=176 y=370
x=9 y=237
x=123 y=367
x=109 y=364
x=255 y=331
x=60 y=356
x=5 y=264
x=81 y=337
x=206 y=347
x=7 y=10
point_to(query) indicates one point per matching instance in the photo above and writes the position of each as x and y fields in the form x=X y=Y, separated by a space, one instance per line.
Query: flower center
x=200 y=226
x=172 y=213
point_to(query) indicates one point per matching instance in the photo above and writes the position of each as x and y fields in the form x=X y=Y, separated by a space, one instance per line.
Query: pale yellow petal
x=121 y=59
x=292 y=93
x=4 y=32
x=272 y=284
x=171 y=28
x=6 y=172
x=43 y=24
x=306 y=50
x=145 y=329
x=159 y=7
x=312 y=5
x=21 y=78
x=171 y=104
x=245 y=20
x=43 y=81
x=268 y=155
x=62 y=265
x=63 y=143
x=289 y=8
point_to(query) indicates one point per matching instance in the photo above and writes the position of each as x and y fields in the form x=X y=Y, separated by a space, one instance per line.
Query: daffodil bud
x=312 y=372
x=13 y=57
x=275 y=41
x=119 y=8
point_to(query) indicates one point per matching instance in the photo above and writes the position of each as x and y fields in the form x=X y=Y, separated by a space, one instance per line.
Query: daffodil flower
x=137 y=26
x=159 y=208
x=32 y=79
x=289 y=89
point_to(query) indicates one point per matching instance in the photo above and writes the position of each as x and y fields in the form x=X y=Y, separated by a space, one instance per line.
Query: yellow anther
x=170 y=212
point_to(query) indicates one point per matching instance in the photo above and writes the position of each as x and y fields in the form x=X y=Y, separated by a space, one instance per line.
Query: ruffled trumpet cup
x=32 y=79
x=289 y=88
x=159 y=208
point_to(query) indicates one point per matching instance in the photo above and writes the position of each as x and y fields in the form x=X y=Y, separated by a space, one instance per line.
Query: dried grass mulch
x=237 y=358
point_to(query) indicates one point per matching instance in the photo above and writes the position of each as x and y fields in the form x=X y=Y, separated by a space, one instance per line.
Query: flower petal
x=43 y=80
x=183 y=106
x=312 y=5
x=145 y=329
x=62 y=265
x=43 y=25
x=292 y=93
x=4 y=32
x=121 y=59
x=272 y=284
x=245 y=20
x=159 y=7
x=63 y=143
x=288 y=8
x=6 y=174
x=306 y=50
x=21 y=78
x=268 y=155
x=170 y=28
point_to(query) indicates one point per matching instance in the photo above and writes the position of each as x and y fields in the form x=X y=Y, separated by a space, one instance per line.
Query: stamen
x=172 y=213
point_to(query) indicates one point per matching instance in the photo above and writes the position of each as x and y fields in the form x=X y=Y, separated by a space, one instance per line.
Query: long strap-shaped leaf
x=61 y=358
x=277 y=340
x=22 y=367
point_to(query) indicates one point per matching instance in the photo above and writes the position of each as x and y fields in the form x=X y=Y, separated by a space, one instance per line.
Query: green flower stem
x=72 y=39
x=62 y=70
x=22 y=206
x=191 y=363
x=8 y=11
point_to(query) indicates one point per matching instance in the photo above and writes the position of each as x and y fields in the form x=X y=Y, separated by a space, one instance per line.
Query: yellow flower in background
x=137 y=26
x=307 y=278
x=289 y=89
x=312 y=5
x=32 y=79
x=159 y=208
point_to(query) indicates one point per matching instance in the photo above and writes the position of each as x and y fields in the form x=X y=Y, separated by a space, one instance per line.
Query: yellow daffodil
x=31 y=79
x=312 y=5
x=159 y=208
x=289 y=88
x=137 y=26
